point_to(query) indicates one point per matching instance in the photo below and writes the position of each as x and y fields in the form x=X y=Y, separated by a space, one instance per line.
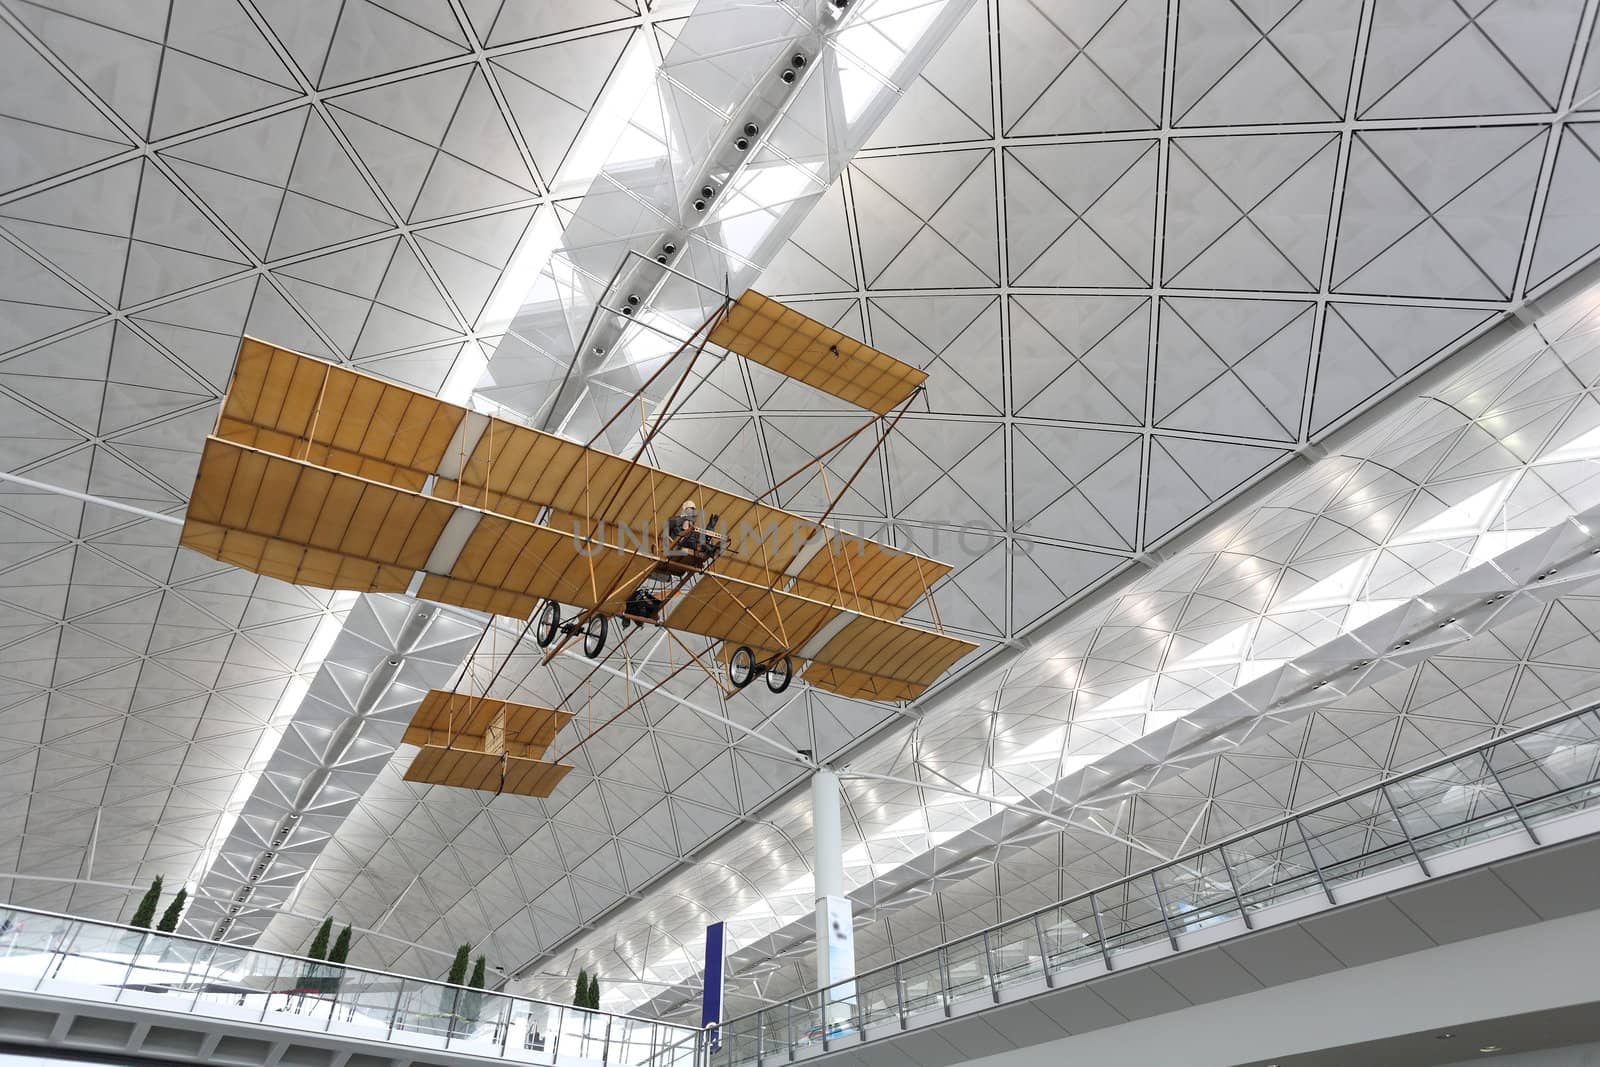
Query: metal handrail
x=1295 y=818
x=62 y=938
x=207 y=943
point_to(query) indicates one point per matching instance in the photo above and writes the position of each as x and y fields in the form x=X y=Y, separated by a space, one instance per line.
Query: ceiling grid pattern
x=1491 y=459
x=1148 y=252
x=349 y=180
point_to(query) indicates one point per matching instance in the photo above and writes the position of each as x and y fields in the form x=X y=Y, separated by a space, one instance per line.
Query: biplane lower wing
x=844 y=651
x=488 y=771
x=293 y=520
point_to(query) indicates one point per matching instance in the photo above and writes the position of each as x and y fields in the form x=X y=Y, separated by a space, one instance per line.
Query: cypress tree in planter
x=329 y=982
x=312 y=979
x=458 y=976
x=458 y=966
x=580 y=996
x=594 y=992
x=174 y=912
x=319 y=943
x=473 y=1002
x=341 y=947
x=145 y=913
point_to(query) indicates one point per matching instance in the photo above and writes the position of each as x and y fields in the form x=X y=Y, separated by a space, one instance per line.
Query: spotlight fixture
x=751 y=129
x=669 y=248
x=699 y=205
x=708 y=191
x=798 y=60
x=741 y=143
x=787 y=77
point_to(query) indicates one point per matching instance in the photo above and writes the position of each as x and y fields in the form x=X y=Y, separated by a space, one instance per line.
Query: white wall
x=1531 y=968
x=1571 y=1056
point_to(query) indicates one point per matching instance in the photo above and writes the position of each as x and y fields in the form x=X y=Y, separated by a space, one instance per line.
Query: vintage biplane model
x=320 y=475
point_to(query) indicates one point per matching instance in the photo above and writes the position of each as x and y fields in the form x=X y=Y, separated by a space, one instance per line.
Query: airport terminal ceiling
x=1148 y=252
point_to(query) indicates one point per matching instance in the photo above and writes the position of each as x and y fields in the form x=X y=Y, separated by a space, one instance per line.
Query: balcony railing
x=1509 y=786
x=1504 y=789
x=60 y=956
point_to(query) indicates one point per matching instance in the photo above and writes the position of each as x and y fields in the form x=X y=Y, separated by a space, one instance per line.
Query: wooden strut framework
x=319 y=475
x=505 y=766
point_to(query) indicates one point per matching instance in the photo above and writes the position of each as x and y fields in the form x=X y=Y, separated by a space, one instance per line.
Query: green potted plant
x=311 y=981
x=457 y=977
x=174 y=912
x=145 y=913
x=580 y=995
x=341 y=947
x=472 y=1003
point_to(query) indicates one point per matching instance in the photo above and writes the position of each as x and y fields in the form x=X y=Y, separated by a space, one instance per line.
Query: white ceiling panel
x=1150 y=252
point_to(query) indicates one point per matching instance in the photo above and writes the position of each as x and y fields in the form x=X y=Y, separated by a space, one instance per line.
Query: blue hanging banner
x=711 y=995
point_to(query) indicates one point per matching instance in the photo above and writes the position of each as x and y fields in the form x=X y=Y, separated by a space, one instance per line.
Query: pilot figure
x=683 y=524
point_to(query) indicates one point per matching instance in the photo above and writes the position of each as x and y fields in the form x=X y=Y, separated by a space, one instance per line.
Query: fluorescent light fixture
x=539 y=241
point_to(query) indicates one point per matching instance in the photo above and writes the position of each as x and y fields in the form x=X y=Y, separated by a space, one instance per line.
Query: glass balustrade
x=103 y=962
x=1513 y=785
x=1508 y=786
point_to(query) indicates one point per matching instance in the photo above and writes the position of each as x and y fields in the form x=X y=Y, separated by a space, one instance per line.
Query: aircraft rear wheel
x=780 y=672
x=594 y=636
x=549 y=624
x=742 y=667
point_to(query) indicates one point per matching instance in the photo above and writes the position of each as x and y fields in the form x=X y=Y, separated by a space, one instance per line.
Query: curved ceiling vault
x=1149 y=252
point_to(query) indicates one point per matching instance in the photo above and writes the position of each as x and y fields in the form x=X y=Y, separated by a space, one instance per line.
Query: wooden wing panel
x=322 y=421
x=524 y=559
x=868 y=577
x=782 y=339
x=883 y=660
x=299 y=522
x=467 y=769
x=334 y=417
x=859 y=655
x=461 y=720
x=290 y=520
x=742 y=614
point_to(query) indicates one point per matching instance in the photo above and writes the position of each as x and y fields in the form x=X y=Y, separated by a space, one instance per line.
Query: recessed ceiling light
x=1444 y=1036
x=1489 y=1048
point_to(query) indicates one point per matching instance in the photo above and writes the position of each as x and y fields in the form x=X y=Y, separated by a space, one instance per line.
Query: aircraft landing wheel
x=594 y=636
x=742 y=667
x=780 y=672
x=549 y=624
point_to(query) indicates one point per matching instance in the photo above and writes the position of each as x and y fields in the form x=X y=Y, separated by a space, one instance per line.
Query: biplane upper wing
x=782 y=339
x=293 y=520
x=463 y=720
x=298 y=407
x=293 y=405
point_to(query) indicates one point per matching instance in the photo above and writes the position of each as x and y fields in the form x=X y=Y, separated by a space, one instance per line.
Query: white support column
x=836 y=945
